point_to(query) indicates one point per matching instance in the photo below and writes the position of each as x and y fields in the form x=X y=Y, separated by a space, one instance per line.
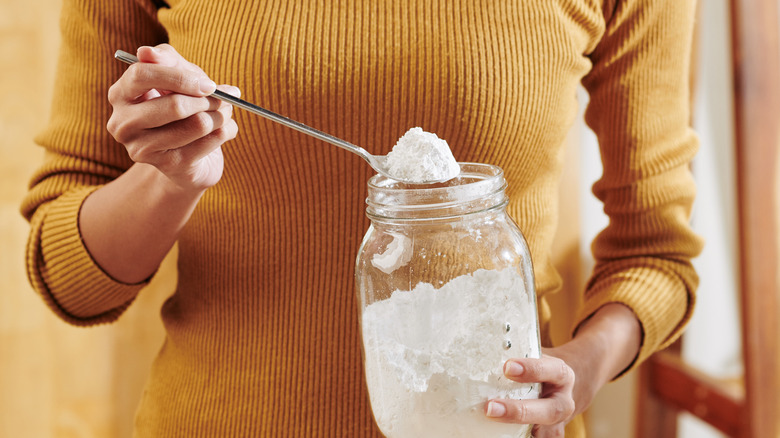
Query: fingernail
x=235 y=91
x=496 y=409
x=207 y=86
x=156 y=50
x=513 y=368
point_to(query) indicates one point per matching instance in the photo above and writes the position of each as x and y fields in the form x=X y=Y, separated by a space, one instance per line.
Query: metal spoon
x=376 y=161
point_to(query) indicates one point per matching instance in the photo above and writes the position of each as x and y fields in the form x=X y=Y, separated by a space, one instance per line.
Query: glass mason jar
x=446 y=293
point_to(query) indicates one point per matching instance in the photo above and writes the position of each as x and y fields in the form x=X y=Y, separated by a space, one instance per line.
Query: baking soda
x=434 y=357
x=421 y=156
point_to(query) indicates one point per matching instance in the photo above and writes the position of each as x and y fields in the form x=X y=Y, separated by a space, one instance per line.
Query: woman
x=262 y=336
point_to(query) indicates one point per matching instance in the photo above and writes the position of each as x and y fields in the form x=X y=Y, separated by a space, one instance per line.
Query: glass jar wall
x=446 y=293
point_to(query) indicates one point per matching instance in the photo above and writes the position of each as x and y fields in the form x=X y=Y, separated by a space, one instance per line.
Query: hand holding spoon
x=378 y=162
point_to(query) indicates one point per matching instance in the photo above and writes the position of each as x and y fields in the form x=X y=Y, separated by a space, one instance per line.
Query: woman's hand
x=163 y=117
x=174 y=133
x=572 y=374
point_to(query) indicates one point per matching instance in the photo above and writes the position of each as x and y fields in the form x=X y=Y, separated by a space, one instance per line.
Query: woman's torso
x=262 y=333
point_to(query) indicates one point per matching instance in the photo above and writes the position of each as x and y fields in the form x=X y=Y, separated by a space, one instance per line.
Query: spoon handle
x=270 y=115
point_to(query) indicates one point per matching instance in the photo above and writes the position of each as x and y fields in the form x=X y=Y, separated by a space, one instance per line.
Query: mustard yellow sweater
x=262 y=331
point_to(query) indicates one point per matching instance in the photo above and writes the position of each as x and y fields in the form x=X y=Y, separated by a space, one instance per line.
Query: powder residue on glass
x=420 y=157
x=434 y=356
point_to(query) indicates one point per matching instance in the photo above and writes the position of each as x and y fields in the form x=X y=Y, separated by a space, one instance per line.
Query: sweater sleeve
x=639 y=110
x=81 y=156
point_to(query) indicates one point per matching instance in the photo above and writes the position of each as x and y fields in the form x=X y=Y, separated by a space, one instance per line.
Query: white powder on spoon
x=421 y=157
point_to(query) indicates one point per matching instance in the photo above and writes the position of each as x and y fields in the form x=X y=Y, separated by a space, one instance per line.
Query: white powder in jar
x=420 y=157
x=434 y=357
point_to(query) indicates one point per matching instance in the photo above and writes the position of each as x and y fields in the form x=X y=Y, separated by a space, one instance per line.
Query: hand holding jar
x=604 y=346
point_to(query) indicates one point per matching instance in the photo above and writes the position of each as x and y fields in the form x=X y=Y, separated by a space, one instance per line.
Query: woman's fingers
x=547 y=369
x=165 y=54
x=125 y=124
x=160 y=68
x=199 y=149
x=200 y=126
x=142 y=77
x=545 y=411
x=174 y=135
x=197 y=135
x=554 y=407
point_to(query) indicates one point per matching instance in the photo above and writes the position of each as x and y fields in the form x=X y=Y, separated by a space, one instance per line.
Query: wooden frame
x=756 y=57
x=667 y=384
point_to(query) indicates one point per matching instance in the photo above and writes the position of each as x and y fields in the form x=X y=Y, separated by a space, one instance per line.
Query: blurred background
x=61 y=381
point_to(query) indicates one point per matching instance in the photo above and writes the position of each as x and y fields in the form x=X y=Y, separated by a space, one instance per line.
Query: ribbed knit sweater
x=262 y=330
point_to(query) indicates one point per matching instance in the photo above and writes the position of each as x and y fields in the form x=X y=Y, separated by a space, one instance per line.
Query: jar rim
x=479 y=187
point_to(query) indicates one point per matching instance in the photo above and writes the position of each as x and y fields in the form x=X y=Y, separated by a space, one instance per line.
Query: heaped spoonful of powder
x=421 y=157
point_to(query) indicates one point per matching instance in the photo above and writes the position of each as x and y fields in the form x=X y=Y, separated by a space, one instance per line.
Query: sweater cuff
x=657 y=297
x=72 y=283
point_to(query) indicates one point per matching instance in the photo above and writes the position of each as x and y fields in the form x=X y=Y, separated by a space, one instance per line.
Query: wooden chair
x=749 y=409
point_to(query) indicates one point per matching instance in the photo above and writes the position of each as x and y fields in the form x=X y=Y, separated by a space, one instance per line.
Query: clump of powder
x=397 y=254
x=434 y=356
x=420 y=157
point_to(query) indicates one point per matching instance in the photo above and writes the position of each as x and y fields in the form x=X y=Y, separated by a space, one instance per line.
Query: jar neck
x=478 y=188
